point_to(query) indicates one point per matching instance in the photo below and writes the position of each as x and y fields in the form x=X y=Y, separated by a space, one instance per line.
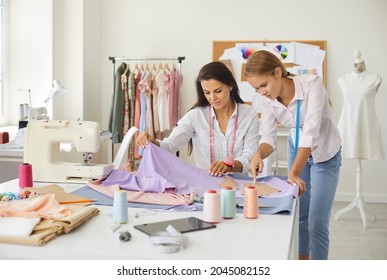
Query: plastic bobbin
x=250 y=207
x=125 y=236
x=211 y=207
x=228 y=203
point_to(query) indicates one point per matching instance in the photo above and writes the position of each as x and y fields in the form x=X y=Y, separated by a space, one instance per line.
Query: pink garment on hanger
x=173 y=96
x=162 y=101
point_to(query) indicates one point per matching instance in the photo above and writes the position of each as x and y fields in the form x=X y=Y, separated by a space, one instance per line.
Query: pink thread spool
x=4 y=137
x=250 y=207
x=211 y=207
x=25 y=175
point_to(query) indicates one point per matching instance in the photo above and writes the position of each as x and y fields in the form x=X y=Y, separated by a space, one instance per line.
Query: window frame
x=3 y=58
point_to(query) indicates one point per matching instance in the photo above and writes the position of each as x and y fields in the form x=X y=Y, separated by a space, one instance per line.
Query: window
x=3 y=26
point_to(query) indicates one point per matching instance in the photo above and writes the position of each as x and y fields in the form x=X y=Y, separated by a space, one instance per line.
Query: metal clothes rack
x=124 y=58
x=179 y=60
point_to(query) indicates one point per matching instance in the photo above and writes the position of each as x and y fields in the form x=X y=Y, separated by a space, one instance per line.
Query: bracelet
x=229 y=162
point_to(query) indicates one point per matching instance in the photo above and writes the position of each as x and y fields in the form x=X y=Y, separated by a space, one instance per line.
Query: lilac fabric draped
x=160 y=170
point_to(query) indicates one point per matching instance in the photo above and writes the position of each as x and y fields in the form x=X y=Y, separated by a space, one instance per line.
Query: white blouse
x=195 y=124
x=318 y=130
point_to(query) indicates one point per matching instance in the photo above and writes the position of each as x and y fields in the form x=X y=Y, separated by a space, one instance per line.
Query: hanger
x=127 y=68
x=166 y=67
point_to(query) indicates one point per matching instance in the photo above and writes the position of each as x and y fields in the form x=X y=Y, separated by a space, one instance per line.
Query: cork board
x=218 y=48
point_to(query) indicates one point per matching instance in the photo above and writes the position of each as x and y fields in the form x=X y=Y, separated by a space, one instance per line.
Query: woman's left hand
x=297 y=181
x=218 y=168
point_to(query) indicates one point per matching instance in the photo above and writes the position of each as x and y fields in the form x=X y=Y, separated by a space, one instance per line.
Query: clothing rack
x=124 y=58
x=179 y=60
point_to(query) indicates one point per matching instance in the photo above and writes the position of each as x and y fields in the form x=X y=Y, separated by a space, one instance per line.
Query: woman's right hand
x=256 y=166
x=144 y=138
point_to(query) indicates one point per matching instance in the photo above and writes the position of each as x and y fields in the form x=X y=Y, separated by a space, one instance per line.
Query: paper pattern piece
x=263 y=189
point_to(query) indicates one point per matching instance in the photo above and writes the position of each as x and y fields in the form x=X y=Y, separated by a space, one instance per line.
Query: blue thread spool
x=120 y=207
x=228 y=204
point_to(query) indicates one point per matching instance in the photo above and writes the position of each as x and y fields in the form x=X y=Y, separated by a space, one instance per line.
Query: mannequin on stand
x=359 y=126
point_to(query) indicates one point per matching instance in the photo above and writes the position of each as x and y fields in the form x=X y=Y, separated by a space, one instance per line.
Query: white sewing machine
x=42 y=150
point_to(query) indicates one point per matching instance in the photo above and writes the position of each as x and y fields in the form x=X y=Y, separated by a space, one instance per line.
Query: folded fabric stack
x=36 y=221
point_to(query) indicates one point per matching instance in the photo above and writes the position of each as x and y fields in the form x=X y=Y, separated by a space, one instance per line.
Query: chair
x=123 y=150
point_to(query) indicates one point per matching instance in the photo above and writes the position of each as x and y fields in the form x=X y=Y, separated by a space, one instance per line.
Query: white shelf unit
x=279 y=157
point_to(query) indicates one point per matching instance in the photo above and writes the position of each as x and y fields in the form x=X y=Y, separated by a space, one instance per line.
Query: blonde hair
x=263 y=63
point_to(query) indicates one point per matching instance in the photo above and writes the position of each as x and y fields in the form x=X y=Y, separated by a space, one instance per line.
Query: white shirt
x=195 y=124
x=318 y=130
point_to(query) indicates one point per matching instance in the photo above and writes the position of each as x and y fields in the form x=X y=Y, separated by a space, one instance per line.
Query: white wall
x=30 y=53
x=188 y=27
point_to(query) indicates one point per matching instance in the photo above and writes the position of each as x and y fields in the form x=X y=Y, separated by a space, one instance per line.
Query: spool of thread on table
x=211 y=207
x=250 y=205
x=25 y=175
x=120 y=207
x=228 y=204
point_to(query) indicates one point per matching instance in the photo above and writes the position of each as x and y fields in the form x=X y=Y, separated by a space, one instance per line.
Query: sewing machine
x=42 y=150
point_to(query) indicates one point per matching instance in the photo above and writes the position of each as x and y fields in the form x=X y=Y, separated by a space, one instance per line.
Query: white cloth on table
x=358 y=124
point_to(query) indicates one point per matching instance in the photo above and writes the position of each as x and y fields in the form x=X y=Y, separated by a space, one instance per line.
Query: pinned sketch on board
x=299 y=58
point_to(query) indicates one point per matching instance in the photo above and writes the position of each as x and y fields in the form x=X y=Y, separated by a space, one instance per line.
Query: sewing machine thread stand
x=358 y=200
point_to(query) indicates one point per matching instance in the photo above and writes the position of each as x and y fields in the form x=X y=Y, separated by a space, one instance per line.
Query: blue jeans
x=316 y=203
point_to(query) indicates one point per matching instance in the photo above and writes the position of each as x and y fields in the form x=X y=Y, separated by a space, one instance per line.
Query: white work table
x=270 y=237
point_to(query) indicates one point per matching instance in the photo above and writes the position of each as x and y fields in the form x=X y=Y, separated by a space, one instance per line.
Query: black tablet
x=183 y=225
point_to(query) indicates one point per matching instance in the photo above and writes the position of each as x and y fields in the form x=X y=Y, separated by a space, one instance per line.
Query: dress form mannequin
x=359 y=126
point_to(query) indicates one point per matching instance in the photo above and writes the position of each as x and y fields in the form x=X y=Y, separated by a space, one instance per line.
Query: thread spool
x=25 y=175
x=120 y=207
x=23 y=111
x=4 y=137
x=250 y=207
x=211 y=207
x=228 y=204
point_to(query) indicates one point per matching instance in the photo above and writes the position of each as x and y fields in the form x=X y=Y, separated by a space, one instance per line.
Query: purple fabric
x=160 y=170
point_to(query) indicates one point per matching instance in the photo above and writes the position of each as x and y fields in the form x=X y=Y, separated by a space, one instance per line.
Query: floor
x=350 y=241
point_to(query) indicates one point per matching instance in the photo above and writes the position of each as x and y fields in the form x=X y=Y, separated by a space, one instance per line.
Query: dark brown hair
x=214 y=71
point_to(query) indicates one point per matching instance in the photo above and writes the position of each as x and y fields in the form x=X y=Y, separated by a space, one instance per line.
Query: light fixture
x=57 y=89
x=40 y=113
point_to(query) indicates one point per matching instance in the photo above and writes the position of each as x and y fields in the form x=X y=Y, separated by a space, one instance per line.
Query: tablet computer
x=183 y=225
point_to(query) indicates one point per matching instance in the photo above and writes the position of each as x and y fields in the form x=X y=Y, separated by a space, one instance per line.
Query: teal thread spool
x=228 y=204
